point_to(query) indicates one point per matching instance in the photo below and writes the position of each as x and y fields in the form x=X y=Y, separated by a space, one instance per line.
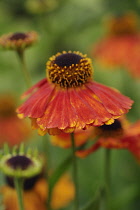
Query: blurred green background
x=74 y=25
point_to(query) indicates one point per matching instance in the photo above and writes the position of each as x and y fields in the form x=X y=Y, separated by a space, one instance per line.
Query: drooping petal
x=86 y=152
x=59 y=112
x=114 y=102
x=36 y=86
x=35 y=105
x=89 y=110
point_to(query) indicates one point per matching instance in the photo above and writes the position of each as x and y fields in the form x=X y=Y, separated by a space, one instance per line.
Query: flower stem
x=47 y=156
x=75 y=178
x=24 y=68
x=104 y=201
x=18 y=182
x=107 y=170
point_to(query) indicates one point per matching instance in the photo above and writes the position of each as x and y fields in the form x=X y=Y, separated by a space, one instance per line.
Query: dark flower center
x=17 y=36
x=67 y=59
x=7 y=111
x=70 y=69
x=19 y=161
x=28 y=184
x=114 y=126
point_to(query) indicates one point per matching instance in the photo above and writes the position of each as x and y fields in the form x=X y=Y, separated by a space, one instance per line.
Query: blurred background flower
x=36 y=193
x=119 y=135
x=121 y=46
x=12 y=130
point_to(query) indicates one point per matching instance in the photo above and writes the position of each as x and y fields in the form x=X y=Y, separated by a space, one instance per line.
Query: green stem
x=75 y=177
x=18 y=182
x=104 y=200
x=107 y=170
x=24 y=68
x=47 y=156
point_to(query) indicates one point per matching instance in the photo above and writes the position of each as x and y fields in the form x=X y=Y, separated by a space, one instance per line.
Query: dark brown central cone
x=114 y=126
x=67 y=59
x=17 y=36
x=19 y=161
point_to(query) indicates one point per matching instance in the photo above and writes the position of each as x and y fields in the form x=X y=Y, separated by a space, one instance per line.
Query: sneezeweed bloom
x=12 y=130
x=35 y=193
x=20 y=164
x=68 y=99
x=18 y=41
x=119 y=135
x=122 y=37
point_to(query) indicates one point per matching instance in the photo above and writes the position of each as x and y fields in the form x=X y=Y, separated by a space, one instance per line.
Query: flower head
x=19 y=163
x=69 y=99
x=122 y=37
x=18 y=40
x=119 y=135
x=36 y=193
x=12 y=130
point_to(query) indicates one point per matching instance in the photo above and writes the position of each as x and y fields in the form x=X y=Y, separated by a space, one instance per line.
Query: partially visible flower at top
x=119 y=135
x=18 y=40
x=39 y=7
x=12 y=130
x=121 y=46
x=123 y=24
x=69 y=99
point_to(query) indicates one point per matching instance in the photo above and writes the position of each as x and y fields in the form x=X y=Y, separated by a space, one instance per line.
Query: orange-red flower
x=69 y=99
x=36 y=193
x=12 y=129
x=119 y=135
x=18 y=40
x=121 y=47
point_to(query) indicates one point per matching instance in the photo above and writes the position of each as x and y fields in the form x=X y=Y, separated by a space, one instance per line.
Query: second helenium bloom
x=18 y=41
x=69 y=99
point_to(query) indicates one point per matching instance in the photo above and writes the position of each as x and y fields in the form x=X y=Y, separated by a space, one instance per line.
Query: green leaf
x=58 y=173
x=93 y=203
x=124 y=197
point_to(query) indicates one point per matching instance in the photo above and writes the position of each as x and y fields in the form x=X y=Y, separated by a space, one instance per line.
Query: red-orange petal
x=86 y=152
x=36 y=104
x=59 y=112
x=114 y=102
